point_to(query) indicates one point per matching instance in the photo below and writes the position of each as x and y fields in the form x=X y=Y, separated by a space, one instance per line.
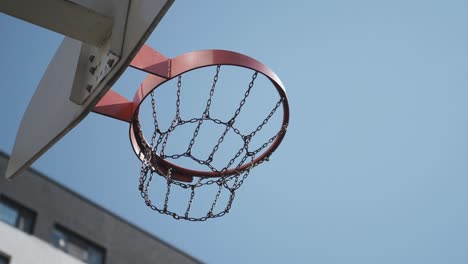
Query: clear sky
x=373 y=168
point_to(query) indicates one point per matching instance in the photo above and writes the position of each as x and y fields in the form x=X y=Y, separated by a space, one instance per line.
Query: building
x=44 y=222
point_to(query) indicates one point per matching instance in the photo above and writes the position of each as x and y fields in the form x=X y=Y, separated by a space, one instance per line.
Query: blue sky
x=373 y=168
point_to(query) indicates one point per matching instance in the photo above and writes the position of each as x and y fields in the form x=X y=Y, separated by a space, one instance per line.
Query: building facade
x=44 y=222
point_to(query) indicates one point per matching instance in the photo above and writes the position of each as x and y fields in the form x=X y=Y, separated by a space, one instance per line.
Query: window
x=77 y=246
x=4 y=259
x=16 y=215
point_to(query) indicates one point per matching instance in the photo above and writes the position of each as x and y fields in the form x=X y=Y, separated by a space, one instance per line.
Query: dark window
x=4 y=259
x=16 y=215
x=77 y=246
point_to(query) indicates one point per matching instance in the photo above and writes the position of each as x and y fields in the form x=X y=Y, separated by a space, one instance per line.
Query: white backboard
x=85 y=66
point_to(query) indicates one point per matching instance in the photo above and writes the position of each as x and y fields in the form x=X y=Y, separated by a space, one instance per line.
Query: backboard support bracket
x=94 y=64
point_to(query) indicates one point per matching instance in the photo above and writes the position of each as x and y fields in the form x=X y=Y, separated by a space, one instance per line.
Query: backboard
x=93 y=55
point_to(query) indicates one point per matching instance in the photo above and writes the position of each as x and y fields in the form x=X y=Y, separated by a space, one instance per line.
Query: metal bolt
x=92 y=70
x=110 y=62
x=89 y=87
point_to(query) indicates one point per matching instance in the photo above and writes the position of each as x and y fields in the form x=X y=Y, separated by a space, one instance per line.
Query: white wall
x=26 y=249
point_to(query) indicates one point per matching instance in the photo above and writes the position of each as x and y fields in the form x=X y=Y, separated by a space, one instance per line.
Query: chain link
x=176 y=119
x=206 y=113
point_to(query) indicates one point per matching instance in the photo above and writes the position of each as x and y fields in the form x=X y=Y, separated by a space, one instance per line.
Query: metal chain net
x=225 y=183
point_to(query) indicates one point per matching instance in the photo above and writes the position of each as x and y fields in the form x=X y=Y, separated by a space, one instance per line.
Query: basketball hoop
x=89 y=62
x=152 y=153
